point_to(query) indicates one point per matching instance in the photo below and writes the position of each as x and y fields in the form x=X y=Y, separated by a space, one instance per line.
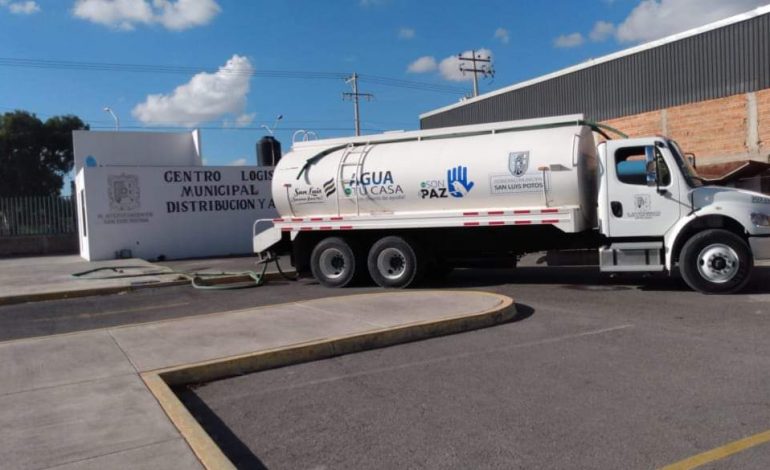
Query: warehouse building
x=708 y=88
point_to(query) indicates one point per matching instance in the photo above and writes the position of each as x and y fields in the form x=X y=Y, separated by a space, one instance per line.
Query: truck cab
x=656 y=214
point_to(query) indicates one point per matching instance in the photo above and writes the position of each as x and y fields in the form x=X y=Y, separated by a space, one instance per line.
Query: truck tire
x=334 y=262
x=716 y=261
x=396 y=262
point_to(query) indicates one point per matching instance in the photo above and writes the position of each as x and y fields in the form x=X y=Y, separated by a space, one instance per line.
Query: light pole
x=107 y=109
x=275 y=124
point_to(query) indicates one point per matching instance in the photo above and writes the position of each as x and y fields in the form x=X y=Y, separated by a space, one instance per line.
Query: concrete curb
x=72 y=294
x=161 y=381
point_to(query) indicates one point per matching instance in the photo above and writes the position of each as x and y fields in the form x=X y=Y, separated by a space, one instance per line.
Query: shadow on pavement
x=523 y=312
x=238 y=453
x=581 y=278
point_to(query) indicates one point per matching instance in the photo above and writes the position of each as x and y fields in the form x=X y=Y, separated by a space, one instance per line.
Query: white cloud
x=175 y=15
x=450 y=66
x=238 y=162
x=503 y=35
x=406 y=33
x=183 y=14
x=569 y=40
x=601 y=31
x=207 y=96
x=424 y=64
x=23 y=8
x=653 y=19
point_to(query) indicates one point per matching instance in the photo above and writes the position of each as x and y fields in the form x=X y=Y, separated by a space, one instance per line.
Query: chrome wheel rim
x=332 y=263
x=718 y=263
x=391 y=263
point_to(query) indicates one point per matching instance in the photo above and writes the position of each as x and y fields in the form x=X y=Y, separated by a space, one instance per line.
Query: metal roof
x=725 y=57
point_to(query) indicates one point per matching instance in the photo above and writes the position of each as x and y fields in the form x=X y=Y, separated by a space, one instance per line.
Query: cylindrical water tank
x=268 y=151
x=491 y=171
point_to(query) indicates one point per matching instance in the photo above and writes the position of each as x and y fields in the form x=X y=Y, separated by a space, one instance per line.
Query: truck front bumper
x=760 y=247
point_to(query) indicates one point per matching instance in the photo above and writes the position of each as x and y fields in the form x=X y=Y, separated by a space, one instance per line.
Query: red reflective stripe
x=335 y=218
x=523 y=222
x=495 y=212
x=551 y=221
x=497 y=222
x=305 y=229
x=316 y=219
x=471 y=224
x=286 y=229
x=326 y=228
x=470 y=213
x=521 y=212
x=277 y=220
x=549 y=211
x=296 y=220
x=346 y=227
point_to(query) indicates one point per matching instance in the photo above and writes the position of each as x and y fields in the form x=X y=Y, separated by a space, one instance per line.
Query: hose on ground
x=203 y=281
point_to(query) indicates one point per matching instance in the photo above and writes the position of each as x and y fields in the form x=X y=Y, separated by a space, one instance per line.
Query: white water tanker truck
x=396 y=206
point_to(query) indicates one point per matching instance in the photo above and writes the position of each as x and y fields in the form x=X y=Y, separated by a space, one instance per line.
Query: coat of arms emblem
x=518 y=163
x=123 y=192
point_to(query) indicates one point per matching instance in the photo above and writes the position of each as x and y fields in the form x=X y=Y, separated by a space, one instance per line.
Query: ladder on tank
x=353 y=158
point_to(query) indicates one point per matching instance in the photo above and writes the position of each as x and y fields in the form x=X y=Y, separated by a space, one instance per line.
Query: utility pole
x=355 y=97
x=485 y=68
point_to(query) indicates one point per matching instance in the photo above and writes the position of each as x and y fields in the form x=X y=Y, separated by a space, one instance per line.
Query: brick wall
x=639 y=125
x=717 y=131
x=763 y=116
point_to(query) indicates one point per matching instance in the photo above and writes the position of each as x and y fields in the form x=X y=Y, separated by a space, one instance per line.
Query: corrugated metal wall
x=718 y=63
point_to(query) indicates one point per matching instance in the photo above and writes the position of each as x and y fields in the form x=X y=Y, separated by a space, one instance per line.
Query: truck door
x=643 y=191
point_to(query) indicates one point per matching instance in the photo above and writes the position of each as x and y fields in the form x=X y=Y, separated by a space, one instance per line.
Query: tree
x=35 y=155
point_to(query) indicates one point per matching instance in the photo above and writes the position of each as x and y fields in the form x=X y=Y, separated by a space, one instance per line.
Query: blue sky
x=374 y=37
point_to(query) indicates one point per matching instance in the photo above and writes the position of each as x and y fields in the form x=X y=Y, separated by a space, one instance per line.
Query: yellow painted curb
x=720 y=453
x=160 y=381
x=202 y=445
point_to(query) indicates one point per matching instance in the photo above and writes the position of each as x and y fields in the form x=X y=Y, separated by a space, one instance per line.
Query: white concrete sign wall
x=136 y=148
x=172 y=212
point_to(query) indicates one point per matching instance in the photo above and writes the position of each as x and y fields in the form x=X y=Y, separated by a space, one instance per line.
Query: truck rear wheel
x=716 y=262
x=396 y=262
x=334 y=262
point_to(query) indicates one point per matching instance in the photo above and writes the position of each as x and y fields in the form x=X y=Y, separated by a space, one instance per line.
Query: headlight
x=760 y=220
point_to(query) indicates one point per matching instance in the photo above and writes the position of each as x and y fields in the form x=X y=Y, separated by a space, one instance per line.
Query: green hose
x=198 y=280
x=257 y=279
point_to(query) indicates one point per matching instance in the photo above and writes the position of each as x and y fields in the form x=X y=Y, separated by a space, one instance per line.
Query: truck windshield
x=685 y=166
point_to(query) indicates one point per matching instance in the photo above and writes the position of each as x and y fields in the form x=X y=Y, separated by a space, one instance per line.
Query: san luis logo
x=330 y=188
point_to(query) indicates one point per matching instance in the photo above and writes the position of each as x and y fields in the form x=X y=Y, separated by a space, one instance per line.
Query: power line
x=396 y=82
x=188 y=70
x=224 y=124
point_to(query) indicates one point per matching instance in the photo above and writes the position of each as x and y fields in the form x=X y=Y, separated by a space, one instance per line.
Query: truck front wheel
x=334 y=262
x=396 y=262
x=716 y=262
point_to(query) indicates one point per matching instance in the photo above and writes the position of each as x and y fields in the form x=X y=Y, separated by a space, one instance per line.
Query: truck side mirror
x=651 y=166
x=691 y=158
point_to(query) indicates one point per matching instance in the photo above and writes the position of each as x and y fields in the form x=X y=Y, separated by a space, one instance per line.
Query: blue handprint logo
x=457 y=180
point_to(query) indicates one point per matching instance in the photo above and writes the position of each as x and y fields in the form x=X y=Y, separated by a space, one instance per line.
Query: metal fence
x=37 y=215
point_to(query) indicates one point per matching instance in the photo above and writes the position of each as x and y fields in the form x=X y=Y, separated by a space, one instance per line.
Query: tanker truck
x=400 y=205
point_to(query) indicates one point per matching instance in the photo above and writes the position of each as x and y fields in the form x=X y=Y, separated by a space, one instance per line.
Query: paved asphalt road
x=597 y=373
x=65 y=316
